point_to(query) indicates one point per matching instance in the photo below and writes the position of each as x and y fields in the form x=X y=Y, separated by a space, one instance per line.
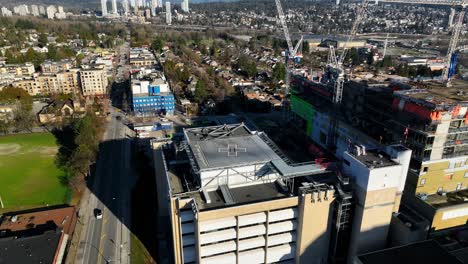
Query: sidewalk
x=83 y=213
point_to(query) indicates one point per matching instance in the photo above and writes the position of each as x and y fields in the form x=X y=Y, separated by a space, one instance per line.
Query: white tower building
x=451 y=17
x=114 y=6
x=168 y=13
x=104 y=7
x=154 y=5
x=185 y=6
x=126 y=7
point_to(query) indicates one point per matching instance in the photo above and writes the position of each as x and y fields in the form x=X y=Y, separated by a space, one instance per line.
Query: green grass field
x=28 y=175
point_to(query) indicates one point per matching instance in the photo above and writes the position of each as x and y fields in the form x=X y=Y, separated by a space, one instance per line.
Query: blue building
x=152 y=96
x=148 y=105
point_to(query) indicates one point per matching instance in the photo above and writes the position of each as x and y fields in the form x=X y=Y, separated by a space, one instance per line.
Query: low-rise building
x=59 y=110
x=151 y=96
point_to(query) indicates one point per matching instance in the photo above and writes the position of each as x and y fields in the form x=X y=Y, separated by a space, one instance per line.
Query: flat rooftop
x=227 y=146
x=373 y=159
x=64 y=218
x=452 y=198
x=438 y=94
x=32 y=249
x=423 y=252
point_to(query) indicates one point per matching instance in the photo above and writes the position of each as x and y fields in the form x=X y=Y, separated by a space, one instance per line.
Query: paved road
x=107 y=240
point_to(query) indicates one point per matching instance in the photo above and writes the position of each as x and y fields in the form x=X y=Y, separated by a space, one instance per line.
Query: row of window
x=155 y=99
x=440 y=189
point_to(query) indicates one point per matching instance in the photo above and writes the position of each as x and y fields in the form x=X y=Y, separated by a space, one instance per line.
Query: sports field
x=28 y=175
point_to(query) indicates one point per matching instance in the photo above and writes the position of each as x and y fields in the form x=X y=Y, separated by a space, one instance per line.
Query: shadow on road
x=113 y=182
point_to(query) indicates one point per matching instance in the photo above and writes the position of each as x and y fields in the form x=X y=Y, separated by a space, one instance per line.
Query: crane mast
x=453 y=45
x=285 y=27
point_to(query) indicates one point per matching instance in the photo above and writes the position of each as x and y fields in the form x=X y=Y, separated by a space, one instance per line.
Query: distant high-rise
x=154 y=4
x=34 y=10
x=42 y=10
x=185 y=6
x=451 y=17
x=159 y=3
x=126 y=7
x=51 y=10
x=114 y=6
x=104 y=7
x=337 y=2
x=168 y=13
x=6 y=12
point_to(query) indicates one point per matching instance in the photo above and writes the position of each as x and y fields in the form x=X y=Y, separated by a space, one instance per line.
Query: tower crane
x=385 y=46
x=335 y=65
x=451 y=59
x=293 y=52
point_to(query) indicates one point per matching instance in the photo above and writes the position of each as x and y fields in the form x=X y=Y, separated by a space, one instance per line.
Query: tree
x=157 y=44
x=353 y=56
x=12 y=94
x=387 y=61
x=42 y=41
x=23 y=118
x=279 y=72
x=5 y=127
x=200 y=91
x=305 y=47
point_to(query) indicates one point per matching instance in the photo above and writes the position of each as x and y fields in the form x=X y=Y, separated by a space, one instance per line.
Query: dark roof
x=63 y=217
x=426 y=252
x=40 y=248
x=56 y=105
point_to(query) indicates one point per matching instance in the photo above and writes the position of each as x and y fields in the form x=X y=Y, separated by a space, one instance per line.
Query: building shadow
x=123 y=177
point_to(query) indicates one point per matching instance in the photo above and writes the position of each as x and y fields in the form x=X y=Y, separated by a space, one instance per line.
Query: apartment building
x=232 y=196
x=52 y=67
x=19 y=70
x=65 y=82
x=429 y=120
x=94 y=82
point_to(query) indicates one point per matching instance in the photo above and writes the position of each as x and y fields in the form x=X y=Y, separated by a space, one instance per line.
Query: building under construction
x=429 y=119
x=234 y=197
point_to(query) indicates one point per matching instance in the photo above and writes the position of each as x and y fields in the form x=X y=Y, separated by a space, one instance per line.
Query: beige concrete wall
x=248 y=209
x=438 y=222
x=313 y=232
x=176 y=231
x=440 y=175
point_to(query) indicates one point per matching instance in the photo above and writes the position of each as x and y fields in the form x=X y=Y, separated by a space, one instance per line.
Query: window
x=449 y=176
x=466 y=174
x=459 y=186
x=425 y=169
x=422 y=182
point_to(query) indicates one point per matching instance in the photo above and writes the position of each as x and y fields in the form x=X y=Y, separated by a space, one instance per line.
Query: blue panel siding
x=153 y=105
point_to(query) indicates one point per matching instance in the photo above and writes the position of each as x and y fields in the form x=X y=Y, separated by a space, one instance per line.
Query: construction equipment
x=335 y=68
x=452 y=53
x=336 y=64
x=385 y=46
x=293 y=52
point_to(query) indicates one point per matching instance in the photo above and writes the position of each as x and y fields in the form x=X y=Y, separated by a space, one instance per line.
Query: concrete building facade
x=93 y=82
x=231 y=196
x=431 y=122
